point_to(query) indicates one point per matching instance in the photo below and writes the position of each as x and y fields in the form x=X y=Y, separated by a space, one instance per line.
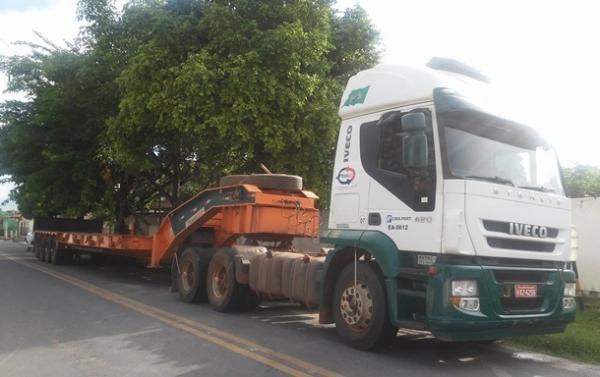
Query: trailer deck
x=228 y=211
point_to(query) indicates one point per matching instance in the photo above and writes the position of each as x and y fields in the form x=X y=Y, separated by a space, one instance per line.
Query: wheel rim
x=187 y=275
x=219 y=282
x=356 y=306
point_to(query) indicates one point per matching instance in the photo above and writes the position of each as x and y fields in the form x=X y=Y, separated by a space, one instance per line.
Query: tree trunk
x=122 y=210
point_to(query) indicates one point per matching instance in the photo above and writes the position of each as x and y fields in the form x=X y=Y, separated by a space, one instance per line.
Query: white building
x=586 y=218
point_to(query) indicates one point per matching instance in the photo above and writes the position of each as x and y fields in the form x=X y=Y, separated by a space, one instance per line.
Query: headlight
x=570 y=290
x=469 y=303
x=465 y=288
x=569 y=303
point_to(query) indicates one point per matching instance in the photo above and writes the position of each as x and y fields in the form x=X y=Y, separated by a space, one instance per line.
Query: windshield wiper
x=492 y=179
x=537 y=188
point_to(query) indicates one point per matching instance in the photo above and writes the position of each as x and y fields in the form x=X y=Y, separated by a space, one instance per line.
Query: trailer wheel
x=45 y=251
x=37 y=249
x=224 y=292
x=51 y=250
x=360 y=309
x=191 y=278
x=265 y=181
x=57 y=256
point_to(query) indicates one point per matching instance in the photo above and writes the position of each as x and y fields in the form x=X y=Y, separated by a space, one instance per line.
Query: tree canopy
x=582 y=180
x=154 y=102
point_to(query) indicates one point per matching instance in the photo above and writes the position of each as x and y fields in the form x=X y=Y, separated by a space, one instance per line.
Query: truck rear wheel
x=224 y=292
x=191 y=275
x=360 y=309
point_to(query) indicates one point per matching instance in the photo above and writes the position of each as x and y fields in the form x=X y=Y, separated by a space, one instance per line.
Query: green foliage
x=580 y=341
x=356 y=44
x=582 y=180
x=48 y=144
x=162 y=99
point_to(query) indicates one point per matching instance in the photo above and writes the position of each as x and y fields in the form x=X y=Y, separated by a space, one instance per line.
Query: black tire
x=57 y=256
x=45 y=252
x=51 y=256
x=191 y=275
x=282 y=182
x=50 y=251
x=371 y=328
x=225 y=294
x=174 y=273
x=37 y=247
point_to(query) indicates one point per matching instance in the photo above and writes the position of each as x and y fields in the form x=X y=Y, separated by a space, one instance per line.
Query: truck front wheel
x=360 y=309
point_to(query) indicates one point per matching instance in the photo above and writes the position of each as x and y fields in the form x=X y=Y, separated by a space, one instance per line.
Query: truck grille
x=521 y=305
x=506 y=243
x=516 y=276
x=503 y=227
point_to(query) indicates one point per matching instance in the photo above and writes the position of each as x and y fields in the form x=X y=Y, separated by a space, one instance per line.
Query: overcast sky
x=542 y=56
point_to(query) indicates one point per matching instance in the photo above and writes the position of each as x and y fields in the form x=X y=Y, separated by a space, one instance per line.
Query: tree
x=48 y=144
x=582 y=180
x=155 y=102
x=355 y=44
x=260 y=83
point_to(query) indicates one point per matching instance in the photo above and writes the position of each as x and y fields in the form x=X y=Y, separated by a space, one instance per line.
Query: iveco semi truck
x=445 y=216
x=457 y=216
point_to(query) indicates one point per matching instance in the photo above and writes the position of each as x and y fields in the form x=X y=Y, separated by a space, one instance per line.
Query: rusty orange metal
x=264 y=214
x=271 y=214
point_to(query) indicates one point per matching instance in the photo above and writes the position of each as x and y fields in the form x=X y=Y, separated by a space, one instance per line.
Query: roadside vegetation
x=156 y=101
x=581 y=340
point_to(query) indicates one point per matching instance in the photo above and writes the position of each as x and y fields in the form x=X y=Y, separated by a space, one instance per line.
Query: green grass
x=581 y=340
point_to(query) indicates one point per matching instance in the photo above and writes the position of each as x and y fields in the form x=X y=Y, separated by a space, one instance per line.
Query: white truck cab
x=481 y=185
x=432 y=182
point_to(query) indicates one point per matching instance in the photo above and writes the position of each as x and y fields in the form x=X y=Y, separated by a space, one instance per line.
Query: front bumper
x=458 y=330
x=495 y=319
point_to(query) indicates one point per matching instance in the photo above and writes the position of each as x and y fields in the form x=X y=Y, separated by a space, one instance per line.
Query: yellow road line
x=226 y=340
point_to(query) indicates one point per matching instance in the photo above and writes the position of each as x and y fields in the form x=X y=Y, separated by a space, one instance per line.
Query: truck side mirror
x=414 y=145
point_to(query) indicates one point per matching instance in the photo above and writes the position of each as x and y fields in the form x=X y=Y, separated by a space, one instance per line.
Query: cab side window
x=390 y=149
x=397 y=151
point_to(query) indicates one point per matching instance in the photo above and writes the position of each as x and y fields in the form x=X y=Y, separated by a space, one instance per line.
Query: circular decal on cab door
x=346 y=175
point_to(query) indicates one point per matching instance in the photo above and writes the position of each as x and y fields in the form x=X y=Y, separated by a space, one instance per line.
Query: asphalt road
x=121 y=320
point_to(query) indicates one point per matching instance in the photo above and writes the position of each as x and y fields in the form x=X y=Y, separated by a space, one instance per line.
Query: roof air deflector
x=455 y=66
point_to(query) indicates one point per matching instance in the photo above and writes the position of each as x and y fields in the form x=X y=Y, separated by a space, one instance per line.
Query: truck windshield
x=502 y=155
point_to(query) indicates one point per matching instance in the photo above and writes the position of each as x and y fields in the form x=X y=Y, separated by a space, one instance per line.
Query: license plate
x=525 y=290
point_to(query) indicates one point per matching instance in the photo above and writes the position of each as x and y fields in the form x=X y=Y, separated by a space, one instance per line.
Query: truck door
x=350 y=182
x=399 y=155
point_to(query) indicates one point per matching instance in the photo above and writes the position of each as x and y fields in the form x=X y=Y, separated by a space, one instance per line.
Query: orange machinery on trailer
x=229 y=212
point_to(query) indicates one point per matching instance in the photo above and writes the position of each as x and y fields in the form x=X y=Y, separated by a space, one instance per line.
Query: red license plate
x=525 y=290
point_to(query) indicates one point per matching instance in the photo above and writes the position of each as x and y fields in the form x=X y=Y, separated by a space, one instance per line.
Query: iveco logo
x=527 y=230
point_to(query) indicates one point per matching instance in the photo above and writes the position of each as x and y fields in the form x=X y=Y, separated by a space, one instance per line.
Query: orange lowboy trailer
x=230 y=212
